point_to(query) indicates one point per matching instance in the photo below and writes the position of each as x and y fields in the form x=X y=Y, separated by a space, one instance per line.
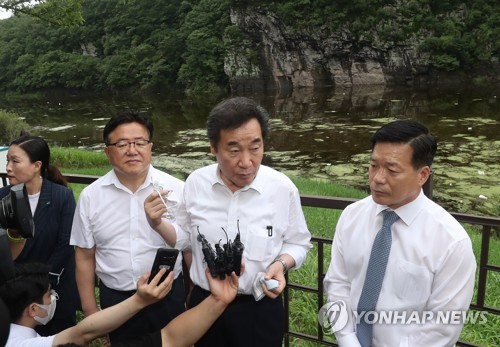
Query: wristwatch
x=283 y=262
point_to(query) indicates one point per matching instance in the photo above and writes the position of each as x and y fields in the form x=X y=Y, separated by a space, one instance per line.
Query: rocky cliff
x=269 y=55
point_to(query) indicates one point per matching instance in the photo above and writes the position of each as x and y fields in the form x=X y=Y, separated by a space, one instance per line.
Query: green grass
x=74 y=160
x=321 y=223
x=78 y=161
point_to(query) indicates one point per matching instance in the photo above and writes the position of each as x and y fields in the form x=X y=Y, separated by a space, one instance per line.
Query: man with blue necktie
x=398 y=255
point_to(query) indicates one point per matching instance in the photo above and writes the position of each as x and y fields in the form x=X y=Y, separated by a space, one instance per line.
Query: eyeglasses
x=122 y=144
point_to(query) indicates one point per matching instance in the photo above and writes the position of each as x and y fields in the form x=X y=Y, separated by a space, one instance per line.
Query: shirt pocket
x=258 y=245
x=413 y=284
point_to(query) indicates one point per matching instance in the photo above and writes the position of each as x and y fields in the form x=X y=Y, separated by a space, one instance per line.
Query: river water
x=320 y=134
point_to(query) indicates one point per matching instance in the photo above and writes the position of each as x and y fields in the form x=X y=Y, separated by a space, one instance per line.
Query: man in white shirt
x=430 y=267
x=110 y=230
x=239 y=196
x=30 y=303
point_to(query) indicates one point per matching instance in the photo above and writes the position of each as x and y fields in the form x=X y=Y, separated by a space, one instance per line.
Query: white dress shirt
x=111 y=217
x=21 y=336
x=270 y=218
x=431 y=267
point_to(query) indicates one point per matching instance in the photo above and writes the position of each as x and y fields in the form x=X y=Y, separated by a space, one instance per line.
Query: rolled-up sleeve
x=297 y=239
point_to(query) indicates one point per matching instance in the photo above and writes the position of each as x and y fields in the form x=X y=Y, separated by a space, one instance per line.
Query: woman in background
x=52 y=206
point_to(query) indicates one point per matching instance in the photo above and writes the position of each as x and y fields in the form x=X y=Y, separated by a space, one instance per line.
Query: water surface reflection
x=314 y=133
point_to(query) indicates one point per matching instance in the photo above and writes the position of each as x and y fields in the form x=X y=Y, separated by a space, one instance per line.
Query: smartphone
x=165 y=258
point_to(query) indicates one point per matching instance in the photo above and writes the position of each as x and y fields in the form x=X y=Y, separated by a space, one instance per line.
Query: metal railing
x=487 y=223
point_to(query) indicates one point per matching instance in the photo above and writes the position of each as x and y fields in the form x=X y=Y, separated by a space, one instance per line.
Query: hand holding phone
x=165 y=258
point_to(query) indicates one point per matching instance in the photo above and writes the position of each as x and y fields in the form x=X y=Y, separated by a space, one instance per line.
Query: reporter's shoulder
x=58 y=188
x=61 y=194
x=4 y=191
x=23 y=337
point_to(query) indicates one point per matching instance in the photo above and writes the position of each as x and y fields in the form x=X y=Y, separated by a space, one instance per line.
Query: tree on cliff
x=66 y=13
x=192 y=44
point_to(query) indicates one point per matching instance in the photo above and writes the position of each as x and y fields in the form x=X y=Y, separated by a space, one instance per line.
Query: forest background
x=123 y=45
x=110 y=45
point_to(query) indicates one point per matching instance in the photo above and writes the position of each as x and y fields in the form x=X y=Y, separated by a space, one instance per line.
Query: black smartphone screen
x=165 y=258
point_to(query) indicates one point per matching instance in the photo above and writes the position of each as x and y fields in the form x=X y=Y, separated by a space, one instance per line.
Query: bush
x=12 y=124
x=446 y=62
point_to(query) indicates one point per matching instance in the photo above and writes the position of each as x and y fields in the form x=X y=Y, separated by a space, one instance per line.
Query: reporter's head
x=29 y=285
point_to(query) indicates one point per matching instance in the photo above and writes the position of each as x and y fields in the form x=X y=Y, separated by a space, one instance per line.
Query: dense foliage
x=456 y=33
x=122 y=44
x=148 y=45
x=11 y=128
x=59 y=12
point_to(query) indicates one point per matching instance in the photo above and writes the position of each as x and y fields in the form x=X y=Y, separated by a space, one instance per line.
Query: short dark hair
x=127 y=117
x=231 y=114
x=29 y=284
x=413 y=133
x=38 y=150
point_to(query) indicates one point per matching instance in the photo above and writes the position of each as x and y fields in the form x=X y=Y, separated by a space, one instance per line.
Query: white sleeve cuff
x=349 y=340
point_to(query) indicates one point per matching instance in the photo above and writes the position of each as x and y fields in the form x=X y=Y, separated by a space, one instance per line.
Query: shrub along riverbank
x=321 y=222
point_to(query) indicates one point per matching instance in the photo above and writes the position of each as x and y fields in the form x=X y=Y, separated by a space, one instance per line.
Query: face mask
x=50 y=308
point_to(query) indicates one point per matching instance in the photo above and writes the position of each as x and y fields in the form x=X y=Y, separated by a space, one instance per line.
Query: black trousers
x=148 y=320
x=245 y=322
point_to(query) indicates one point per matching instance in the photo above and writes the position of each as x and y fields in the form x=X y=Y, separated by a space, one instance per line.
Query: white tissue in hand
x=257 y=291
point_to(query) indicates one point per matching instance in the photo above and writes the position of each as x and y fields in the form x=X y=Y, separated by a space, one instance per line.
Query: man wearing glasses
x=112 y=236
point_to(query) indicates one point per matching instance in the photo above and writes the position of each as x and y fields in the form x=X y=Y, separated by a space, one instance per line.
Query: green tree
x=60 y=12
x=158 y=44
x=203 y=61
x=203 y=57
x=12 y=124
